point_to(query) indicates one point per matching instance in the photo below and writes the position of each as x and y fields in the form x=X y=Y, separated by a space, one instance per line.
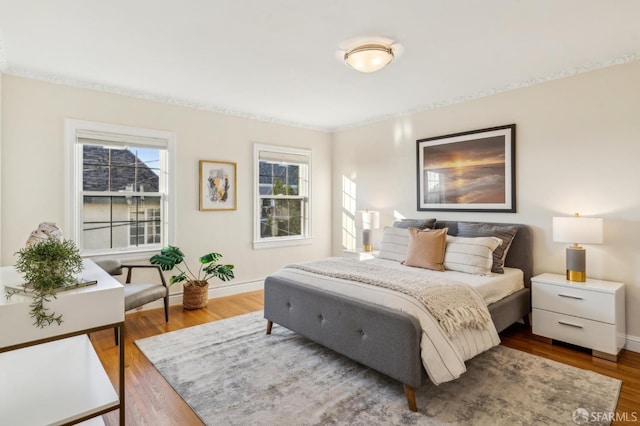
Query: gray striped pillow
x=505 y=232
x=470 y=255
x=394 y=244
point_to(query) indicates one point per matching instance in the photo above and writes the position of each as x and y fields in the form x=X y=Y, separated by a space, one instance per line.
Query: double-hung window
x=282 y=214
x=120 y=188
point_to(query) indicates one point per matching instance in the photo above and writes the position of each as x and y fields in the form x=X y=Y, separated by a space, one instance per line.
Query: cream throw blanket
x=452 y=304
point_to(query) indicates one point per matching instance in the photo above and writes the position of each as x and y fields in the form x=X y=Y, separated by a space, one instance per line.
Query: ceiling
x=280 y=60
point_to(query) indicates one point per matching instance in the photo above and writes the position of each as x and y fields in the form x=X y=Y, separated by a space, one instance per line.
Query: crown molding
x=84 y=84
x=137 y=94
x=620 y=60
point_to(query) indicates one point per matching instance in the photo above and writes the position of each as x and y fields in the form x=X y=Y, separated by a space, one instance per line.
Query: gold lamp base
x=367 y=247
x=576 y=264
x=577 y=276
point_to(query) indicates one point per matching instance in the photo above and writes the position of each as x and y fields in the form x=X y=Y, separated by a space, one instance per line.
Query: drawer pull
x=569 y=324
x=570 y=296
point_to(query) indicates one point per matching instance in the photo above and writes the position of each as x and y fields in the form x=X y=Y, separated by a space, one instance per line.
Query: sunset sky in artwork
x=465 y=172
x=466 y=153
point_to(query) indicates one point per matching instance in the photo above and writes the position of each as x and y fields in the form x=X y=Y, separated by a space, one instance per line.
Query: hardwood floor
x=151 y=401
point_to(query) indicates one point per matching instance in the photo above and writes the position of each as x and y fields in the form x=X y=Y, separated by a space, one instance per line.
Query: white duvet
x=443 y=357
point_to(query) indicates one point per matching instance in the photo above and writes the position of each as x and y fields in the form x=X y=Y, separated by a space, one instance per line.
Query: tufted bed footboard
x=381 y=338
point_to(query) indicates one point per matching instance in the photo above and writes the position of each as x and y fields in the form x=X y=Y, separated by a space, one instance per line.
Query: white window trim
x=73 y=177
x=264 y=243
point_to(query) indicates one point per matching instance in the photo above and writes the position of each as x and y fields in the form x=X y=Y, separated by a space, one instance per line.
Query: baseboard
x=236 y=288
x=633 y=343
x=215 y=291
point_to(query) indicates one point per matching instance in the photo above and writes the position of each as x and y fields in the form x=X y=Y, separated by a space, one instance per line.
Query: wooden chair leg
x=411 y=397
x=115 y=333
x=269 y=326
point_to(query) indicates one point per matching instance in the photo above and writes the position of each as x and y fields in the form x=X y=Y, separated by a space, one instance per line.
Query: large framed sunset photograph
x=470 y=171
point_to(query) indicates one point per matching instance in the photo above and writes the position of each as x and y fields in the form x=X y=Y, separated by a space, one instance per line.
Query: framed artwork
x=471 y=171
x=218 y=185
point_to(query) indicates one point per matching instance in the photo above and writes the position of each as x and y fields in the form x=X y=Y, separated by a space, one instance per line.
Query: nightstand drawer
x=578 y=331
x=575 y=301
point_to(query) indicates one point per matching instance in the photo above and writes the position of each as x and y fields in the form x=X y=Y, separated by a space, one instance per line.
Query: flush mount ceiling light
x=369 y=57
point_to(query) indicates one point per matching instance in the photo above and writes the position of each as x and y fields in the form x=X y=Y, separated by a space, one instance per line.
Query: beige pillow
x=426 y=248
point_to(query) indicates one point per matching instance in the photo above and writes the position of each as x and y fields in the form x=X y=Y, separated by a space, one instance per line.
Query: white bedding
x=442 y=357
x=490 y=287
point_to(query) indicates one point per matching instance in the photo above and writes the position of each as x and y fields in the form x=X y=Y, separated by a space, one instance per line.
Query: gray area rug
x=231 y=373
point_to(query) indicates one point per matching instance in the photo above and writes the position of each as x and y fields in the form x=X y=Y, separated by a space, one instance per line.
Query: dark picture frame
x=218 y=185
x=471 y=171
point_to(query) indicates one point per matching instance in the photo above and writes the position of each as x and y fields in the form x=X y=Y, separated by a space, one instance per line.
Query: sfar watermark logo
x=582 y=416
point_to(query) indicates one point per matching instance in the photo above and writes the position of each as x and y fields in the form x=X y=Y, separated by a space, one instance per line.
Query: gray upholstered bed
x=382 y=338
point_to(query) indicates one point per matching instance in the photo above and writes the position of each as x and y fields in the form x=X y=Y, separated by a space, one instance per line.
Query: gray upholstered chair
x=138 y=294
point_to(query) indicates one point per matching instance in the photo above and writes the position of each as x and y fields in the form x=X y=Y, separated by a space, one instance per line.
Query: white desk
x=46 y=375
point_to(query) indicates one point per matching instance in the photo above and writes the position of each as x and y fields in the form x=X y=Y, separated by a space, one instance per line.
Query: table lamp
x=367 y=220
x=577 y=230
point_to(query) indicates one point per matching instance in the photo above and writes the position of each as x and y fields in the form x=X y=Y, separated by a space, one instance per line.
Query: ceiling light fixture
x=369 y=57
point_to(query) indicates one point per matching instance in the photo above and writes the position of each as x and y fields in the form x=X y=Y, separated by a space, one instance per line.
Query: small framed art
x=472 y=171
x=218 y=185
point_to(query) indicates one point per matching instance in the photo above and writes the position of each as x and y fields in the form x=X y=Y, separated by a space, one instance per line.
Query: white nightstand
x=359 y=254
x=589 y=314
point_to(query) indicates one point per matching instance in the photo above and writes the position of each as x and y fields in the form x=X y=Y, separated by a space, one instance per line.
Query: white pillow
x=394 y=244
x=470 y=255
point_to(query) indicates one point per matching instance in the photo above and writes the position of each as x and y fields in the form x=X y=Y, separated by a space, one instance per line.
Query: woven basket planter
x=195 y=294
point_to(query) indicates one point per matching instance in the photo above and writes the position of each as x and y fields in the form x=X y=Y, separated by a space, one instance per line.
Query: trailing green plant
x=46 y=266
x=172 y=257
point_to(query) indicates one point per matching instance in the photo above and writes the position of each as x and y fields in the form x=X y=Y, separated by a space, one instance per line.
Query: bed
x=381 y=337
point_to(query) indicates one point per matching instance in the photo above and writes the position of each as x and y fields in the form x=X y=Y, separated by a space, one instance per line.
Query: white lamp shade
x=366 y=219
x=577 y=229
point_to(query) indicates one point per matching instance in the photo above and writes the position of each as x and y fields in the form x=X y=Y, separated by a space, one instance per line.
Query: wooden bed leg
x=526 y=320
x=269 y=326
x=411 y=397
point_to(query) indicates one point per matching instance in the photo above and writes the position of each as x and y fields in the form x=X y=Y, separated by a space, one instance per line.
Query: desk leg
x=121 y=372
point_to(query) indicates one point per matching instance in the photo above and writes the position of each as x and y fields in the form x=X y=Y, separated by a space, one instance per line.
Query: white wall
x=33 y=169
x=578 y=150
x=1 y=167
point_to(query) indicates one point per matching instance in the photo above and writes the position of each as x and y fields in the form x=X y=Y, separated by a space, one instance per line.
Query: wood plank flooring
x=151 y=401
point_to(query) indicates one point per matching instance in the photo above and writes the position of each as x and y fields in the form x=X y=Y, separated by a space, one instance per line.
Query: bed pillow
x=470 y=255
x=394 y=244
x=505 y=232
x=415 y=223
x=426 y=249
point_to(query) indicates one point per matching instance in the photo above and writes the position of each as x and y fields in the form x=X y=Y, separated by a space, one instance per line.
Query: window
x=282 y=190
x=120 y=186
x=145 y=227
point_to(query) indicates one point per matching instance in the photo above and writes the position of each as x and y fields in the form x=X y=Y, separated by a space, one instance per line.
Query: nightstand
x=359 y=254
x=589 y=314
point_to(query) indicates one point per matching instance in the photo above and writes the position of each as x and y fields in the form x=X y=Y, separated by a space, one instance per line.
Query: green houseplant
x=48 y=265
x=196 y=285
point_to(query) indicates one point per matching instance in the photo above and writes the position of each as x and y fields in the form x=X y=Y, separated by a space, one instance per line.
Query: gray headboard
x=520 y=254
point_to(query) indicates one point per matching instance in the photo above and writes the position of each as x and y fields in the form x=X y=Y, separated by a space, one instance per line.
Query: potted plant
x=196 y=285
x=47 y=266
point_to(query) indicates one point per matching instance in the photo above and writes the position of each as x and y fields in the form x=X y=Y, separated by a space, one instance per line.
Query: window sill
x=281 y=242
